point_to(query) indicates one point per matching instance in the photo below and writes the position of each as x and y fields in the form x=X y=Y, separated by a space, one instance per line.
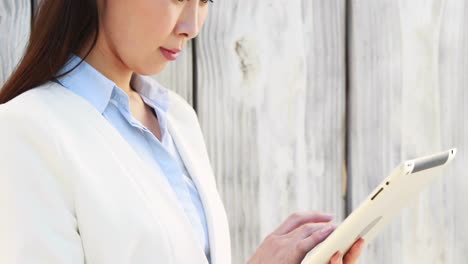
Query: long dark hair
x=59 y=28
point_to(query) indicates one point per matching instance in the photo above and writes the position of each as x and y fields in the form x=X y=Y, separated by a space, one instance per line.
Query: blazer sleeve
x=37 y=221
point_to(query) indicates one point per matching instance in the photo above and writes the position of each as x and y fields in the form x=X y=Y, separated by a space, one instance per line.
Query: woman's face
x=137 y=31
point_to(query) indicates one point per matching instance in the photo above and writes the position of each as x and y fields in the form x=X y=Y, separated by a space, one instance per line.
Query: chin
x=151 y=69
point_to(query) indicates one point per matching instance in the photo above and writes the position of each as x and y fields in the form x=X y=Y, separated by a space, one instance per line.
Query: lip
x=170 y=54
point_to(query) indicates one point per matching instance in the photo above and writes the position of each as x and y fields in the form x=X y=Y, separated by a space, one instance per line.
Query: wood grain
x=375 y=108
x=272 y=99
x=453 y=80
x=398 y=112
x=15 y=25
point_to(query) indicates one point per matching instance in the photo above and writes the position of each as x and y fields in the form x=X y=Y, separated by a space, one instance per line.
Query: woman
x=100 y=164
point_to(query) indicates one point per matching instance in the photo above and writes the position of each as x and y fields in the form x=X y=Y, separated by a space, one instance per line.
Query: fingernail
x=337 y=255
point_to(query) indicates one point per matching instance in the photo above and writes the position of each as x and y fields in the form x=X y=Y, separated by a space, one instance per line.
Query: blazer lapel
x=150 y=183
x=189 y=141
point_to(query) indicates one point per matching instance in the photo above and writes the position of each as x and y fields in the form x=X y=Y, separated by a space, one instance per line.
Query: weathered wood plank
x=453 y=79
x=375 y=108
x=271 y=105
x=420 y=32
x=397 y=113
x=322 y=186
x=15 y=25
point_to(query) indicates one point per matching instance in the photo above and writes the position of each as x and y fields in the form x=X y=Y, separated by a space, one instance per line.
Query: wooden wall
x=308 y=104
x=15 y=25
x=408 y=65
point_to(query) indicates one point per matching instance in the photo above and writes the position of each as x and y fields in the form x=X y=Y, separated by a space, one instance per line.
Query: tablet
x=382 y=205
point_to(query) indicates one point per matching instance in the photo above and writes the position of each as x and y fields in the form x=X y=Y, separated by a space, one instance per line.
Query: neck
x=110 y=65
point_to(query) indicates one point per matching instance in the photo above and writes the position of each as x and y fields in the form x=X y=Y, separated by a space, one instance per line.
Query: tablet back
x=382 y=205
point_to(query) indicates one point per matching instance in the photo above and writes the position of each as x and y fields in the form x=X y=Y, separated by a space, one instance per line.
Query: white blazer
x=72 y=190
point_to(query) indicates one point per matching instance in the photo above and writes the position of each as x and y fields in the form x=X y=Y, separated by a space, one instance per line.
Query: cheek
x=136 y=29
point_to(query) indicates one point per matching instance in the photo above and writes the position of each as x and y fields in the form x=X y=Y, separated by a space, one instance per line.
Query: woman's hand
x=351 y=256
x=299 y=234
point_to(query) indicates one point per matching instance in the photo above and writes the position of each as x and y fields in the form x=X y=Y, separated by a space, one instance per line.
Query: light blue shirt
x=113 y=103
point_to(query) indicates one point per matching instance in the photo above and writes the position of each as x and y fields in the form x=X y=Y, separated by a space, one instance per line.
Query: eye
x=203 y=1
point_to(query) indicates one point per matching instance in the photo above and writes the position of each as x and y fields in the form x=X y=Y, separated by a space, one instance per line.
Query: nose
x=187 y=25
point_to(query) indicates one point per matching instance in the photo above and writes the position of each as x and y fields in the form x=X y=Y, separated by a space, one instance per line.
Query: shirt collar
x=152 y=92
x=87 y=82
x=97 y=89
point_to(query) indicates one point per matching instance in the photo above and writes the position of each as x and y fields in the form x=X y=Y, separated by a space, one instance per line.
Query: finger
x=337 y=258
x=308 y=229
x=297 y=219
x=307 y=244
x=354 y=252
